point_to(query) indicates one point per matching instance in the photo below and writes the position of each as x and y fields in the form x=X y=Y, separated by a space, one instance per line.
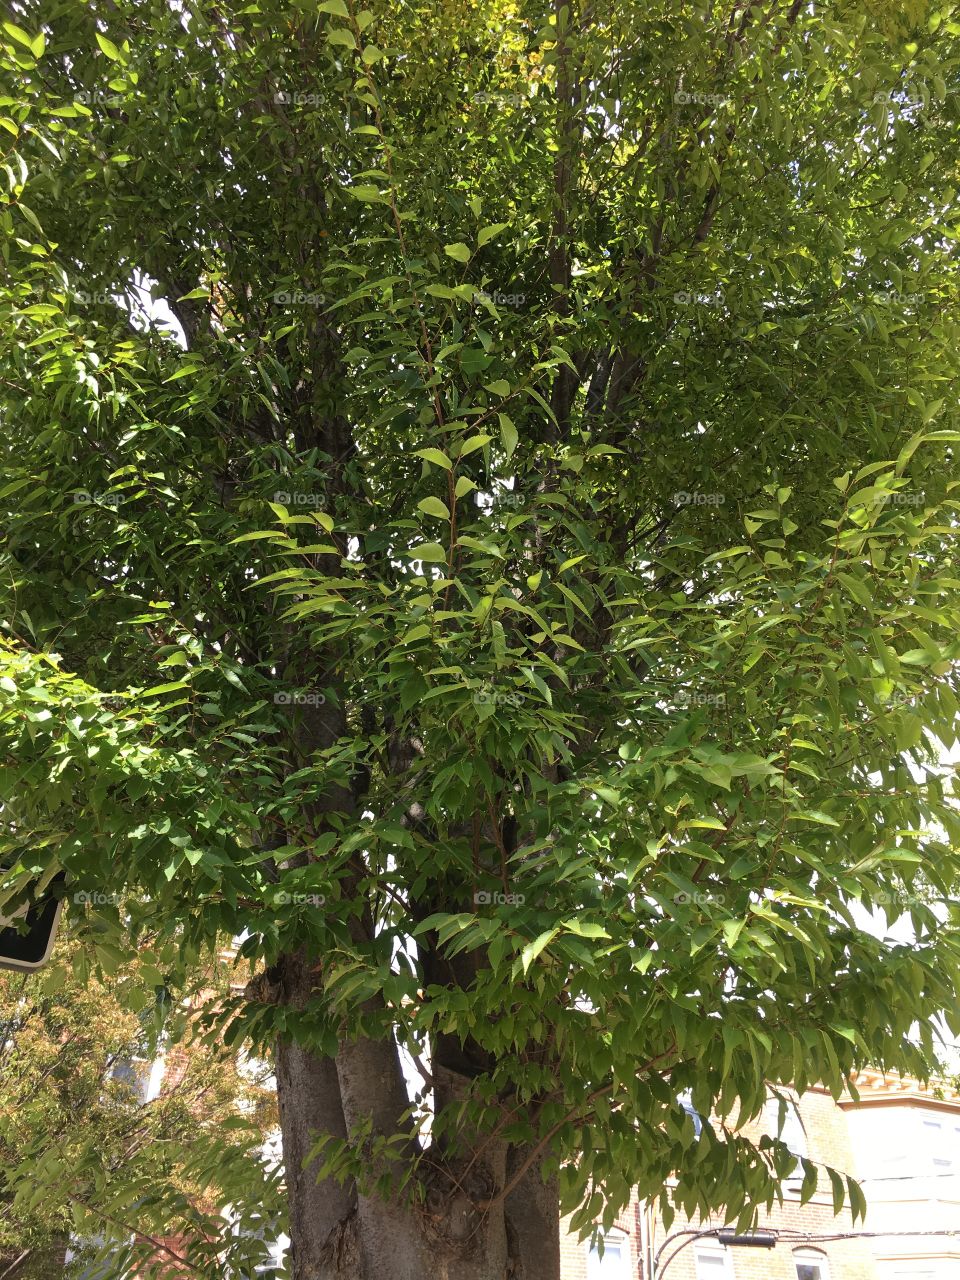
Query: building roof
x=880 y=1089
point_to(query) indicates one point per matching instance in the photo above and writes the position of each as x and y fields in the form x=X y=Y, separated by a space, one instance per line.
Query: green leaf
x=473 y=443
x=434 y=507
x=732 y=930
x=258 y=535
x=32 y=218
x=435 y=456
x=857 y=588
x=429 y=552
x=508 y=434
x=457 y=250
x=585 y=928
x=814 y=815
x=487 y=233
x=109 y=48
x=533 y=949
x=342 y=36
x=36 y=44
x=173 y=687
x=416 y=633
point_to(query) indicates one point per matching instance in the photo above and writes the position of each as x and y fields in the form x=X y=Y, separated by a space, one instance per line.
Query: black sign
x=26 y=937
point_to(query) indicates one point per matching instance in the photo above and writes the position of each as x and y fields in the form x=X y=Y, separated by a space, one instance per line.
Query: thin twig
x=125 y=1226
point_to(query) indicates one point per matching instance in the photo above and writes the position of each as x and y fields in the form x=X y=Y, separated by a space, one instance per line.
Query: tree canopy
x=518 y=595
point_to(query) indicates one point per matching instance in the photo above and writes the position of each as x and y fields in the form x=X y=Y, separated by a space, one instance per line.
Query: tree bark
x=533 y=1220
x=443 y=1233
x=308 y=1094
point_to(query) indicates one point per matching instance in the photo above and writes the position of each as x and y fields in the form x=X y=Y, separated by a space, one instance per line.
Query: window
x=713 y=1262
x=791 y=1134
x=933 y=1141
x=266 y=1232
x=133 y=1074
x=811 y=1265
x=940 y=1143
x=615 y=1263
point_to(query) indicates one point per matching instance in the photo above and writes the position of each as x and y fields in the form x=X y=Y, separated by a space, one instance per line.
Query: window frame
x=807 y=1256
x=937 y=1145
x=621 y=1239
x=713 y=1249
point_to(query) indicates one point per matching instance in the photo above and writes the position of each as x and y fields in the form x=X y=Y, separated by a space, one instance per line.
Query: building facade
x=901 y=1141
x=906 y=1143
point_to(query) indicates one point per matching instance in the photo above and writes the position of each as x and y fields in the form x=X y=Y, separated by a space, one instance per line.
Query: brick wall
x=828 y=1143
x=574 y=1253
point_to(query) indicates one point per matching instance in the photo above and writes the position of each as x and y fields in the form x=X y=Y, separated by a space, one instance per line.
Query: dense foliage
x=91 y=1156
x=521 y=584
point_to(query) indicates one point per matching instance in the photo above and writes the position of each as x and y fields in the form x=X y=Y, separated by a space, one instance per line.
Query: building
x=906 y=1143
x=901 y=1141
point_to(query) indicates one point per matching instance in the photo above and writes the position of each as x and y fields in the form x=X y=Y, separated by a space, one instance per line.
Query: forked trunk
x=339 y=1235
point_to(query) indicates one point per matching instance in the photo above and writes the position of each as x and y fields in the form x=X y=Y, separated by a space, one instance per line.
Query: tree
x=518 y=593
x=86 y=1158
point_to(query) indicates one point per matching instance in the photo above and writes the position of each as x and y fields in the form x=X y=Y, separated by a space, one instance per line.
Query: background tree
x=87 y=1158
x=519 y=594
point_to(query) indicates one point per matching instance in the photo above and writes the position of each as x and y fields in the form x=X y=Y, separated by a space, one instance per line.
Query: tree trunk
x=533 y=1220
x=308 y=1095
x=445 y=1233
